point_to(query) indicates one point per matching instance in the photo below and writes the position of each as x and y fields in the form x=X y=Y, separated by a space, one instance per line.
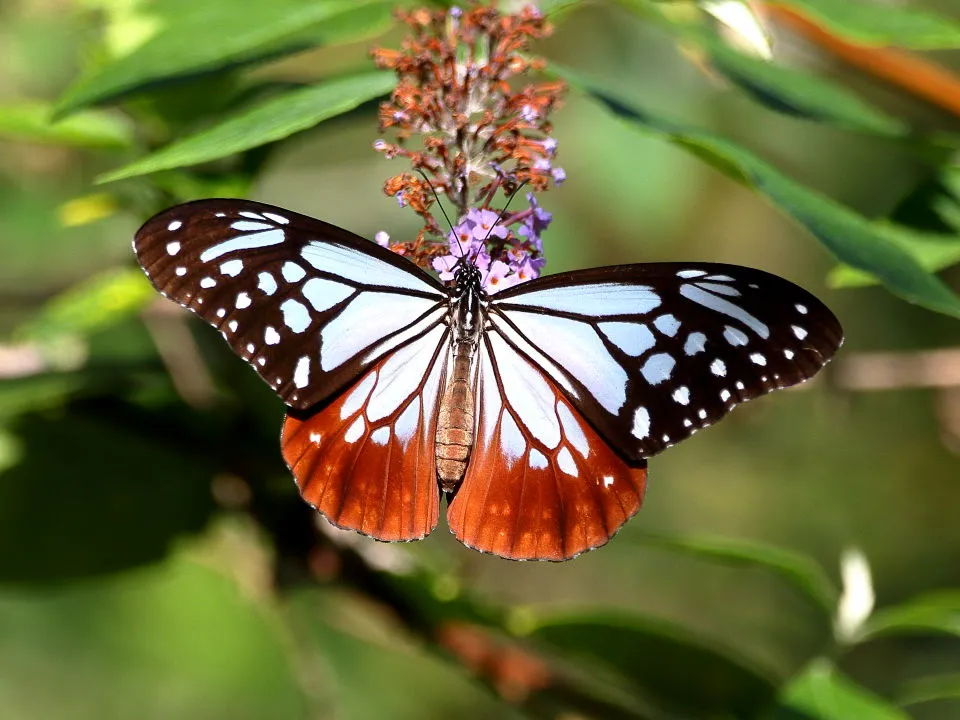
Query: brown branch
x=917 y=76
x=864 y=372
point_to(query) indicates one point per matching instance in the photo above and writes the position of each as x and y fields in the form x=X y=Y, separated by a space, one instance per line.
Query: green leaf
x=803 y=94
x=177 y=640
x=931 y=252
x=95 y=472
x=937 y=613
x=869 y=246
x=892 y=25
x=31 y=122
x=823 y=693
x=211 y=37
x=778 y=87
x=801 y=571
x=664 y=663
x=273 y=120
x=930 y=689
x=98 y=302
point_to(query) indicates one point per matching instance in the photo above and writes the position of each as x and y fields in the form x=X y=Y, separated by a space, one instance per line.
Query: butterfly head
x=467 y=277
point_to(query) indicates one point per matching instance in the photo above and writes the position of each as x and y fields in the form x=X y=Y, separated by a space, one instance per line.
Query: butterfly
x=532 y=410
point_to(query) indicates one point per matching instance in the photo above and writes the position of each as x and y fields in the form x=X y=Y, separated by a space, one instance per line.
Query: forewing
x=651 y=353
x=366 y=460
x=541 y=483
x=310 y=306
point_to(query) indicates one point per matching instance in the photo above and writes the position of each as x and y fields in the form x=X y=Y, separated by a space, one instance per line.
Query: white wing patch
x=597 y=300
x=591 y=364
x=361 y=268
x=367 y=318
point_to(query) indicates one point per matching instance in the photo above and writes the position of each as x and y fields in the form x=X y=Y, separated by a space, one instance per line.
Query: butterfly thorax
x=455 y=422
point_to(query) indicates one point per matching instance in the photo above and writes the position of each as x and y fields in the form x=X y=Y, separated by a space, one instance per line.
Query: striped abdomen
x=455 y=421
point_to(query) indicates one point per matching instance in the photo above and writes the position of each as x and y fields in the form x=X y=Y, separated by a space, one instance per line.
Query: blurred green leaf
x=105 y=299
x=350 y=645
x=273 y=120
x=854 y=240
x=178 y=640
x=98 y=471
x=781 y=88
x=931 y=252
x=211 y=37
x=863 y=22
x=937 y=613
x=930 y=689
x=801 y=571
x=803 y=94
x=665 y=663
x=31 y=122
x=823 y=693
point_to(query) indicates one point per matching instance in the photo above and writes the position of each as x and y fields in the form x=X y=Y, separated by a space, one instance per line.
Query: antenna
x=504 y=211
x=442 y=211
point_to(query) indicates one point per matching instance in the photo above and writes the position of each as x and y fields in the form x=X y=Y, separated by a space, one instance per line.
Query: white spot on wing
x=798 y=331
x=232 y=267
x=682 y=395
x=355 y=431
x=301 y=373
x=686 y=274
x=292 y=272
x=295 y=315
x=724 y=395
x=658 y=367
x=173 y=247
x=207 y=282
x=802 y=309
x=181 y=271
x=758 y=359
x=174 y=226
x=788 y=354
x=244 y=226
x=734 y=336
x=243 y=301
x=719 y=289
x=380 y=436
x=718 y=367
x=694 y=344
x=512 y=442
x=276 y=218
x=537 y=460
x=267 y=283
x=270 y=335
x=232 y=325
x=243 y=242
x=667 y=324
x=641 y=423
x=565 y=462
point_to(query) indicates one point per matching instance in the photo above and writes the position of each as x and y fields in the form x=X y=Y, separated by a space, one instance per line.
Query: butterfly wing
x=650 y=353
x=366 y=460
x=541 y=483
x=310 y=306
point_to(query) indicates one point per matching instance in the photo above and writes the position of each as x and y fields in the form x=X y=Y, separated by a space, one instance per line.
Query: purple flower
x=499 y=277
x=485 y=224
x=559 y=175
x=401 y=199
x=529 y=113
x=445 y=265
x=549 y=146
x=535 y=223
x=382 y=239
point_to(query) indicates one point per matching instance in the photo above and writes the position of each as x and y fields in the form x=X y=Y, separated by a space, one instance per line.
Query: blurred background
x=155 y=558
